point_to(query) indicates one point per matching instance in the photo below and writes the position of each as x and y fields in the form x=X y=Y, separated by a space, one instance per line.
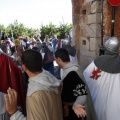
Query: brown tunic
x=44 y=105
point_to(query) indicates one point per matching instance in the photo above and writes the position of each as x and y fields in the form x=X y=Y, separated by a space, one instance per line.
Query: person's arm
x=79 y=89
x=17 y=116
x=11 y=105
x=80 y=100
x=75 y=87
x=79 y=107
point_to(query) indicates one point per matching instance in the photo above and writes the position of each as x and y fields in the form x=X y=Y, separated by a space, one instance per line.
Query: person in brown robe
x=43 y=100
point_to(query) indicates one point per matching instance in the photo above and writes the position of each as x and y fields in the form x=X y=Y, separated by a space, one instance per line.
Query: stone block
x=82 y=18
x=90 y=32
x=82 y=1
x=89 y=53
x=83 y=32
x=84 y=43
x=96 y=29
x=93 y=18
x=95 y=44
x=75 y=19
x=77 y=29
x=87 y=8
x=77 y=41
x=77 y=9
x=95 y=7
x=75 y=2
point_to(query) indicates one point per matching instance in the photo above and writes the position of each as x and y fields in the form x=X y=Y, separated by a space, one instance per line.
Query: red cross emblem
x=95 y=74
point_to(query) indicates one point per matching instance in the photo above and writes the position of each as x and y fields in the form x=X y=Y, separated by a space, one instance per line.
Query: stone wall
x=108 y=17
x=86 y=15
x=86 y=29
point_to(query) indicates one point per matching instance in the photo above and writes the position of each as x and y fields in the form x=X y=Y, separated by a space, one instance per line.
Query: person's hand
x=11 y=101
x=79 y=110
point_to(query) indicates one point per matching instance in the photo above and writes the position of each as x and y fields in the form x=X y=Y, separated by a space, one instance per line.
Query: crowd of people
x=30 y=90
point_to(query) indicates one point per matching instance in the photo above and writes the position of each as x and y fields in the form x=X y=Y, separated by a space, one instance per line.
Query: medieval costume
x=75 y=92
x=42 y=92
x=103 y=79
x=11 y=76
x=67 y=44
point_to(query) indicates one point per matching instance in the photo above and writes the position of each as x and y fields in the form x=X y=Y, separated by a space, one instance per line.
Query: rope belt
x=66 y=109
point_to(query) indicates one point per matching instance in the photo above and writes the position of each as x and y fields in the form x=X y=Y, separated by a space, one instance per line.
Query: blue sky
x=34 y=12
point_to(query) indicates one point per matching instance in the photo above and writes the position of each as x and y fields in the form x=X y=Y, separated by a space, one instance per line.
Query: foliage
x=62 y=29
x=50 y=29
x=19 y=30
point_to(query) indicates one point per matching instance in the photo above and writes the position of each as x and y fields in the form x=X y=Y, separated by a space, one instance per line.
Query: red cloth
x=11 y=76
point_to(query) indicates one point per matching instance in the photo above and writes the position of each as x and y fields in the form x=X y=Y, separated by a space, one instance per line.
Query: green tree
x=53 y=29
x=50 y=29
x=19 y=30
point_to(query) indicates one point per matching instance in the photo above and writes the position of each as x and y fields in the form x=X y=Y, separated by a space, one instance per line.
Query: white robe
x=105 y=92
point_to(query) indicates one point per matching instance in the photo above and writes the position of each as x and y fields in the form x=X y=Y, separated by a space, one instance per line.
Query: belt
x=68 y=103
x=66 y=109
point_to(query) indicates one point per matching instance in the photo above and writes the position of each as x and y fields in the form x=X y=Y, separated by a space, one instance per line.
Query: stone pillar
x=86 y=29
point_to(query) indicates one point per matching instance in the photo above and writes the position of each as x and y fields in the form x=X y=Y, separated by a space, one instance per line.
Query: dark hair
x=62 y=54
x=32 y=60
x=3 y=46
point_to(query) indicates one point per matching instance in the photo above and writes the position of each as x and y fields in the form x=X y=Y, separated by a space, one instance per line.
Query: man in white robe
x=103 y=79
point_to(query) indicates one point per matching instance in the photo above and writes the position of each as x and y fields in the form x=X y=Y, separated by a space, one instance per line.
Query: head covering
x=112 y=44
x=43 y=81
x=110 y=61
